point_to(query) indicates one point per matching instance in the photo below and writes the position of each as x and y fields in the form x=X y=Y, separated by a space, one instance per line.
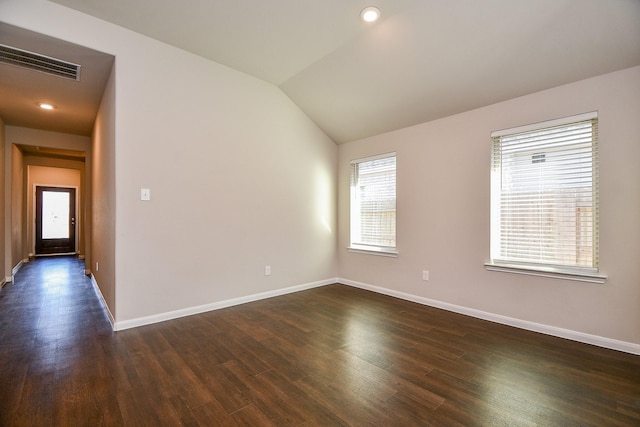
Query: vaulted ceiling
x=424 y=59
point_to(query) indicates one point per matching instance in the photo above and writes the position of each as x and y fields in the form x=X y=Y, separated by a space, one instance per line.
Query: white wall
x=443 y=212
x=240 y=178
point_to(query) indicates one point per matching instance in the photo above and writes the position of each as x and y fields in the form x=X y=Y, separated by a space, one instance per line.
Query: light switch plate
x=145 y=194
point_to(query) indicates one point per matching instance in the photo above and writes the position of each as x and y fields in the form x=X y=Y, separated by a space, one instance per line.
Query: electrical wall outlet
x=97 y=265
x=425 y=275
x=267 y=270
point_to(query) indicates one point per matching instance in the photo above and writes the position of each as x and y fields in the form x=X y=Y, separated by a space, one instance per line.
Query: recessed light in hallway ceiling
x=370 y=14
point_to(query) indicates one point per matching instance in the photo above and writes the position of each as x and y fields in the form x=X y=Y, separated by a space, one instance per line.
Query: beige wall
x=48 y=139
x=17 y=205
x=103 y=198
x=443 y=212
x=55 y=177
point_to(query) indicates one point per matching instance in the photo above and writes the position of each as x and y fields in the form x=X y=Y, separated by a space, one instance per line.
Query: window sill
x=373 y=251
x=547 y=272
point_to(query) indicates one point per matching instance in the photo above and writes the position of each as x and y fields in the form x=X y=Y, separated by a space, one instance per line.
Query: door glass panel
x=55 y=215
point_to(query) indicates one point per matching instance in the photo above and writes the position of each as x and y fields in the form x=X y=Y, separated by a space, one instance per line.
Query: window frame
x=361 y=247
x=501 y=263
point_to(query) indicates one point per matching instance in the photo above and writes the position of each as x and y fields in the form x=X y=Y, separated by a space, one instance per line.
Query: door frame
x=34 y=216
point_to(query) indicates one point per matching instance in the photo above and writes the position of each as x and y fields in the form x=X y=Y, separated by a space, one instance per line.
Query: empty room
x=349 y=212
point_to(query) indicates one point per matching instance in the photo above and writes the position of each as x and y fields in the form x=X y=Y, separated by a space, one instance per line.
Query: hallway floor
x=329 y=356
x=54 y=334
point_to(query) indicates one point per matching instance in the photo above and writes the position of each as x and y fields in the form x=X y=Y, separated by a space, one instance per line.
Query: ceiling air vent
x=34 y=61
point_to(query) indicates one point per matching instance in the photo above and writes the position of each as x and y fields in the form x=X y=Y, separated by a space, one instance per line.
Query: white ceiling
x=424 y=59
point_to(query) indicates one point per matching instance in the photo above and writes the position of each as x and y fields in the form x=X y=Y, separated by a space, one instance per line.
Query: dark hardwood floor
x=325 y=357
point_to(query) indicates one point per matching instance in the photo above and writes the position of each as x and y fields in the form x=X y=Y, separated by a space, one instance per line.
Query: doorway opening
x=55 y=220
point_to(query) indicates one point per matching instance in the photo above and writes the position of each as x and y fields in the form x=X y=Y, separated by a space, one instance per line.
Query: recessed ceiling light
x=370 y=14
x=45 y=106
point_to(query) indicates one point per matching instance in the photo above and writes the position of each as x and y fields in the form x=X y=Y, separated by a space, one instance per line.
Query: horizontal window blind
x=373 y=202
x=545 y=194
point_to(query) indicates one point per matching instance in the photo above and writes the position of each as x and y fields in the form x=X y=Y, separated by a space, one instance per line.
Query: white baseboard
x=596 y=340
x=17 y=268
x=3 y=282
x=55 y=255
x=156 y=318
x=96 y=288
x=14 y=271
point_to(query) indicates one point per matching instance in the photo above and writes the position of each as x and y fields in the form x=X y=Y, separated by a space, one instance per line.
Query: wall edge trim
x=103 y=302
x=17 y=268
x=609 y=343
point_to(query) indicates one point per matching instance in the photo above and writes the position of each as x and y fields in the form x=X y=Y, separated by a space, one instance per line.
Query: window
x=544 y=197
x=373 y=204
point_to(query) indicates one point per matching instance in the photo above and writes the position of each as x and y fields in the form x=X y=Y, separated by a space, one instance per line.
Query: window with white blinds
x=373 y=204
x=544 y=195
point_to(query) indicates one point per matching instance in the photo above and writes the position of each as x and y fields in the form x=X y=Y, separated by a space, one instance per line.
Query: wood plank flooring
x=331 y=356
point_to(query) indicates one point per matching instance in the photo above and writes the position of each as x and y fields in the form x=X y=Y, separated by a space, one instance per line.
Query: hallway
x=53 y=335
